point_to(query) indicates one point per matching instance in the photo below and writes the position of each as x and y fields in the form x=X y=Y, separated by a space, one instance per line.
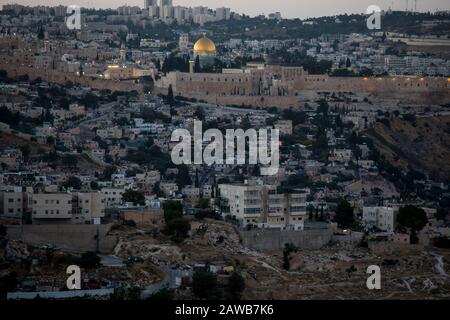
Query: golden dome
x=204 y=46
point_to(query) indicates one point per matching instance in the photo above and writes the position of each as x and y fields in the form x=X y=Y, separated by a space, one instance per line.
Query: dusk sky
x=288 y=8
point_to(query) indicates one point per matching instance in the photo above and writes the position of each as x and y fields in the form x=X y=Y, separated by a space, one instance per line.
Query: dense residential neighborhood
x=87 y=122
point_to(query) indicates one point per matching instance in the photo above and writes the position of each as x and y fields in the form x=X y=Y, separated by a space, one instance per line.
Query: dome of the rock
x=204 y=46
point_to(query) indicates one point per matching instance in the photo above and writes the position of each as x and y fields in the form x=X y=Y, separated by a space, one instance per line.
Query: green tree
x=157 y=190
x=183 y=178
x=344 y=215
x=8 y=283
x=25 y=151
x=322 y=216
x=134 y=196
x=172 y=210
x=177 y=229
x=163 y=294
x=202 y=203
x=411 y=218
x=107 y=172
x=200 y=113
x=94 y=185
x=89 y=260
x=170 y=98
x=90 y=100
x=3 y=231
x=50 y=140
x=204 y=285
x=348 y=63
x=288 y=249
x=310 y=209
x=69 y=162
x=236 y=285
x=41 y=33
x=197 y=67
x=73 y=182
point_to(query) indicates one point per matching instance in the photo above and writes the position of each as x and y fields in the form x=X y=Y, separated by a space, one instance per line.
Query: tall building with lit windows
x=262 y=206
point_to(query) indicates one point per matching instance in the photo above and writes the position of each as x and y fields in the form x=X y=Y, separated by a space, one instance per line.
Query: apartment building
x=110 y=133
x=112 y=196
x=191 y=193
x=379 y=218
x=68 y=208
x=88 y=207
x=52 y=207
x=260 y=205
x=14 y=202
x=340 y=155
x=285 y=126
x=148 y=179
x=169 y=188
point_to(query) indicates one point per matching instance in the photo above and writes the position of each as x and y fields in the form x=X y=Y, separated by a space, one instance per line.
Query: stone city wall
x=414 y=89
x=58 y=77
x=246 y=88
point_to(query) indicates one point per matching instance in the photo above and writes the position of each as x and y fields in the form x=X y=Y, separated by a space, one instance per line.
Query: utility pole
x=97 y=241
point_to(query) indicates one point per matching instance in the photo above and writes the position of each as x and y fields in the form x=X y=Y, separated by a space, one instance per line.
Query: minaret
x=123 y=53
x=46 y=42
x=191 y=65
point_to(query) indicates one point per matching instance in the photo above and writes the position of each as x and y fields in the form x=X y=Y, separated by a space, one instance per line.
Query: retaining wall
x=264 y=239
x=77 y=237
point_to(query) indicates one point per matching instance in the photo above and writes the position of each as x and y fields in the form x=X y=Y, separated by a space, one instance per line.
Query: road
x=111 y=261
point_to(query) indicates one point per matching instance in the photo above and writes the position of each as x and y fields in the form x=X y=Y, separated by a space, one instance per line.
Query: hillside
x=85 y=164
x=11 y=140
x=423 y=144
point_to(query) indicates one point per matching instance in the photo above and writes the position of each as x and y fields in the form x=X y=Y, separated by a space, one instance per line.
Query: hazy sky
x=288 y=8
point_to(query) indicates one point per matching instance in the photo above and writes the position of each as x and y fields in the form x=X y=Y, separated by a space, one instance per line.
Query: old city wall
x=227 y=89
x=276 y=239
x=53 y=76
x=417 y=89
x=212 y=83
x=241 y=88
x=77 y=238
